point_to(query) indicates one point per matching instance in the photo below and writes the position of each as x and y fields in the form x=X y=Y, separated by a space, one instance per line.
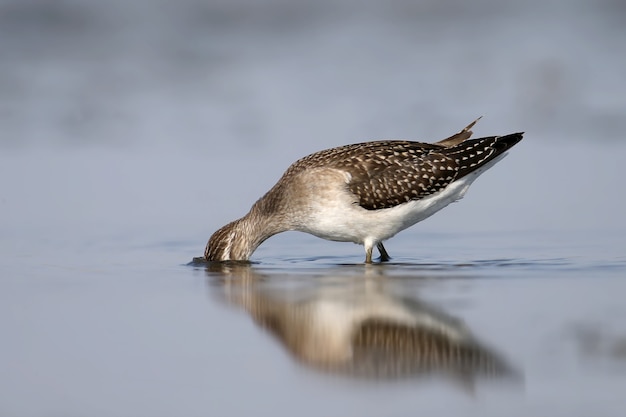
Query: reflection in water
x=355 y=326
x=596 y=341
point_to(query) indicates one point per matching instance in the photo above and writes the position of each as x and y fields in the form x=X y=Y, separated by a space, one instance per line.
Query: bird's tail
x=457 y=138
x=472 y=154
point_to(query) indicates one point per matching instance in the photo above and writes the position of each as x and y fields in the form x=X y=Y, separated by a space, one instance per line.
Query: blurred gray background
x=214 y=75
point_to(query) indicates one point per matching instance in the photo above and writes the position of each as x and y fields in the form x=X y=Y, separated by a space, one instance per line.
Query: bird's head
x=230 y=243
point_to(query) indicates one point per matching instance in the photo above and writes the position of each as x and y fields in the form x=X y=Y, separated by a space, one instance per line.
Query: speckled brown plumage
x=318 y=193
x=388 y=173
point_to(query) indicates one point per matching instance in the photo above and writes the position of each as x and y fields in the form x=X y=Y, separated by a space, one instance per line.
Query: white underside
x=348 y=222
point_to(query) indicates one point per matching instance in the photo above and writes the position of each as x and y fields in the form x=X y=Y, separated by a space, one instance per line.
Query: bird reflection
x=355 y=326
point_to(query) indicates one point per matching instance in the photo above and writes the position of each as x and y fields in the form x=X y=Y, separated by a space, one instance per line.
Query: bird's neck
x=238 y=240
x=252 y=230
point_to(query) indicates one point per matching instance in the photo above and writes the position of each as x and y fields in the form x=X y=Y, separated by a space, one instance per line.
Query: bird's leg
x=384 y=256
x=368 y=254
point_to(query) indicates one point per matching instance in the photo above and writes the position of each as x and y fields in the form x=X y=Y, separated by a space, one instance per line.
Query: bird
x=363 y=193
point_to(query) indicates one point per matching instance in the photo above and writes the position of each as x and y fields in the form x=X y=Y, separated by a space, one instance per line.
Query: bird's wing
x=405 y=171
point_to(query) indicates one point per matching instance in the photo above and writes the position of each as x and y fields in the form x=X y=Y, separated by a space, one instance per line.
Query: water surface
x=131 y=132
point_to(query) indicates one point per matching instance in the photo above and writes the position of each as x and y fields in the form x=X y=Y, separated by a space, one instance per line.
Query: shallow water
x=140 y=334
x=131 y=132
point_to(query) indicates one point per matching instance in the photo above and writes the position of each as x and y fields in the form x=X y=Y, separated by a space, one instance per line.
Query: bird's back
x=384 y=174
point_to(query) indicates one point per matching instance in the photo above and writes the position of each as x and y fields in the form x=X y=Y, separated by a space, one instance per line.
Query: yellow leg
x=368 y=254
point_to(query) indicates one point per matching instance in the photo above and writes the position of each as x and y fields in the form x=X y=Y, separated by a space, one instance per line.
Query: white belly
x=339 y=219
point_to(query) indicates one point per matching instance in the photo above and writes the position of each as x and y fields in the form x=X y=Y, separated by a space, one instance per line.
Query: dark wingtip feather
x=509 y=140
x=474 y=153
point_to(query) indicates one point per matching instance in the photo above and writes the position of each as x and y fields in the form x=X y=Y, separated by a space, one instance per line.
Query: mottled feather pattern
x=385 y=174
x=363 y=193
